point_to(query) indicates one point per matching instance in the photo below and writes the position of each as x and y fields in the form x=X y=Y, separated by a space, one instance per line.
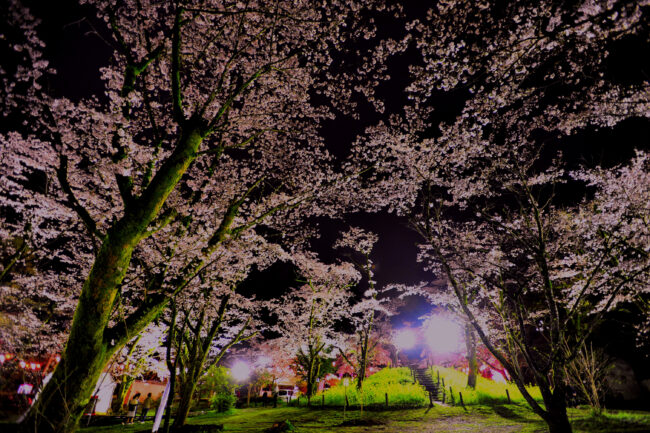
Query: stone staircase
x=423 y=377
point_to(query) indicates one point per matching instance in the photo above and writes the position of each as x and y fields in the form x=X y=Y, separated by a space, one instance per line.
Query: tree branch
x=88 y=221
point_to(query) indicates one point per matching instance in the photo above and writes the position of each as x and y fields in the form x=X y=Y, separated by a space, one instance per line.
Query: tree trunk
x=470 y=342
x=557 y=419
x=61 y=404
x=554 y=396
x=121 y=391
x=185 y=403
x=361 y=400
x=62 y=401
x=91 y=342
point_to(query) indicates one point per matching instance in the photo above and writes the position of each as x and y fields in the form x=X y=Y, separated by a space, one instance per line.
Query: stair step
x=422 y=376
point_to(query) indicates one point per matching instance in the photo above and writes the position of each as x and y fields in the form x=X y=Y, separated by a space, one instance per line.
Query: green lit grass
x=485 y=411
x=486 y=392
x=440 y=419
x=396 y=382
x=615 y=421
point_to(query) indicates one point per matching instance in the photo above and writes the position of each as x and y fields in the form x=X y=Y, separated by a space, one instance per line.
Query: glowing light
x=22 y=364
x=58 y=358
x=2 y=359
x=405 y=339
x=443 y=335
x=240 y=371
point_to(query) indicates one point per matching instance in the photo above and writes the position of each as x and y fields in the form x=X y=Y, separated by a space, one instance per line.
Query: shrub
x=222 y=401
x=218 y=382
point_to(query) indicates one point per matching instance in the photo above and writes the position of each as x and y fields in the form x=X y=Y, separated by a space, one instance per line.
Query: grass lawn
x=487 y=391
x=483 y=419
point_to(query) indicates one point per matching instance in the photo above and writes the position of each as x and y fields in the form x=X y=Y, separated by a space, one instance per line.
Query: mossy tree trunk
x=92 y=342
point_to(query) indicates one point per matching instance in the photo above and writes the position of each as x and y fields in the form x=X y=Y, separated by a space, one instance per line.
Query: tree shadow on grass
x=508 y=413
x=604 y=423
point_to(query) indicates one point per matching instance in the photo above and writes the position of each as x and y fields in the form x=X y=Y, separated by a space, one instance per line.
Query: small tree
x=586 y=373
x=308 y=314
x=366 y=311
x=201 y=331
x=221 y=386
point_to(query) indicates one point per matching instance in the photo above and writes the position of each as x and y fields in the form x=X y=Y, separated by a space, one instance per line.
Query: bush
x=396 y=382
x=218 y=382
x=222 y=401
x=487 y=391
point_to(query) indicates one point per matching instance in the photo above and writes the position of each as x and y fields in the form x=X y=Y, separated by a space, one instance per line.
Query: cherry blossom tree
x=437 y=294
x=533 y=267
x=34 y=329
x=366 y=313
x=200 y=334
x=308 y=315
x=206 y=107
x=211 y=317
x=274 y=357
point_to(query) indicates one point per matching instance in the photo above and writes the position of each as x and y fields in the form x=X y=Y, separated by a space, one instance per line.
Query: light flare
x=405 y=339
x=443 y=335
x=240 y=371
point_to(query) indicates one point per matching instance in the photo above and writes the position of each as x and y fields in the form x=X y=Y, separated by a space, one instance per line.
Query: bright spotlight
x=405 y=339
x=240 y=371
x=443 y=335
